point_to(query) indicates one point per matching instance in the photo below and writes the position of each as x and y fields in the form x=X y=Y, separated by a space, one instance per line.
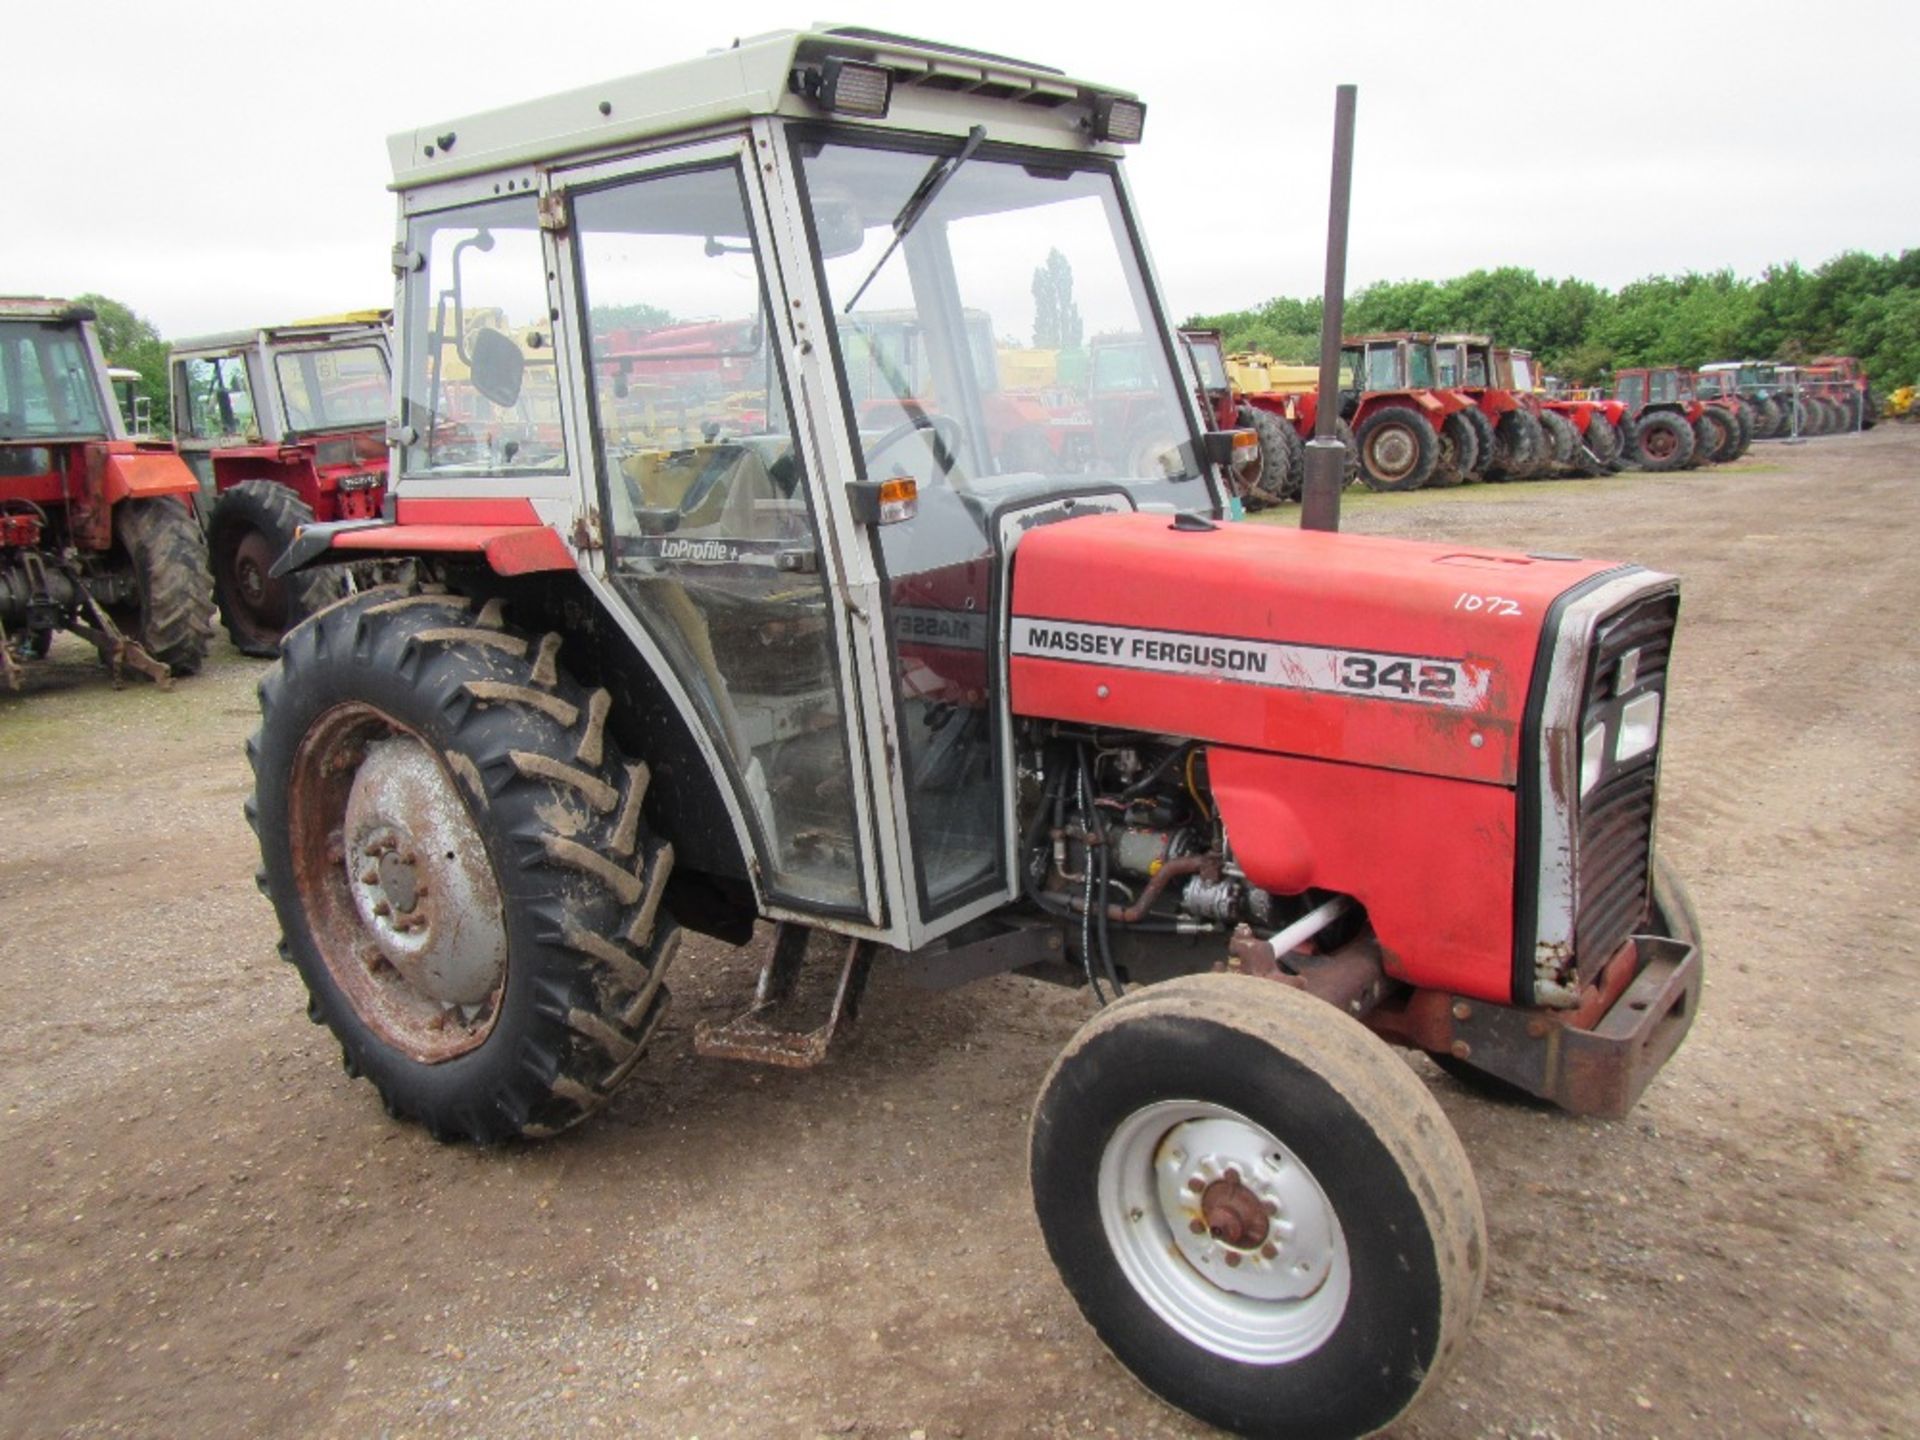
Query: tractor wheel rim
x=399 y=894
x=1392 y=452
x=1223 y=1232
x=1660 y=443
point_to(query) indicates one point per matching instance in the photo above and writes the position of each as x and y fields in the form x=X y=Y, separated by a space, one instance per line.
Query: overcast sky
x=225 y=166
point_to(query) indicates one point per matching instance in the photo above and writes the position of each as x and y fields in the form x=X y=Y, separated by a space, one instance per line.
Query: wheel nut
x=370 y=875
x=1269 y=1250
x=1233 y=1258
x=1198 y=1227
x=1196 y=1185
x=381 y=907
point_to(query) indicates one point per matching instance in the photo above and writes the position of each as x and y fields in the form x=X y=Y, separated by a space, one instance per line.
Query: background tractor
x=1669 y=428
x=1410 y=432
x=282 y=426
x=97 y=531
x=1514 y=444
x=765 y=653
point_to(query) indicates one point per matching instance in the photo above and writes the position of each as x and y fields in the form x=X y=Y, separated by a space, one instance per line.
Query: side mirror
x=498 y=367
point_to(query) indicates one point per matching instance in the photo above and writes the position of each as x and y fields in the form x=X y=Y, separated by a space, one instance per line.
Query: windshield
x=1383 y=367
x=1447 y=364
x=1663 y=385
x=1420 y=363
x=1522 y=372
x=1012 y=322
x=47 y=384
x=333 y=389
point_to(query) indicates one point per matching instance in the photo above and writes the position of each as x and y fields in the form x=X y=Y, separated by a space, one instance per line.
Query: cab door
x=709 y=504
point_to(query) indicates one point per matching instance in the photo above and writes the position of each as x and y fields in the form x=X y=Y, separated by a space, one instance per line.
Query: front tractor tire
x=1258 y=1207
x=455 y=852
x=168 y=554
x=1398 y=449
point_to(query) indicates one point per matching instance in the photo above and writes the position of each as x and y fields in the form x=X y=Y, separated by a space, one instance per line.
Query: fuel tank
x=1393 y=654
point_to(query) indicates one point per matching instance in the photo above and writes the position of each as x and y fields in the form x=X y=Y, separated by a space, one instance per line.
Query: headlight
x=1639 y=728
x=1593 y=756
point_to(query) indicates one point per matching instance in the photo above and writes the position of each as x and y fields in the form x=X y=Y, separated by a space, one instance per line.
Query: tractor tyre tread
x=559 y=810
x=169 y=557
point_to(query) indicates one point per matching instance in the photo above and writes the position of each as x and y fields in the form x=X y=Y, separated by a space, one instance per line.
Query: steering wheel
x=948 y=438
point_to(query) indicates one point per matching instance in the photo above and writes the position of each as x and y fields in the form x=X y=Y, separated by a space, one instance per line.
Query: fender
x=120 y=470
x=507 y=534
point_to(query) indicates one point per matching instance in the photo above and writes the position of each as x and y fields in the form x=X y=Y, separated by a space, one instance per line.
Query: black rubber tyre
x=174 y=619
x=1279 y=455
x=1398 y=449
x=1370 y=1140
x=1564 y=438
x=1344 y=430
x=253 y=524
x=1672 y=915
x=1741 y=414
x=1869 y=410
x=1711 y=435
x=1459 y=451
x=1598 y=450
x=1519 y=443
x=1717 y=435
x=510 y=753
x=1486 y=444
x=1662 y=440
x=1766 y=418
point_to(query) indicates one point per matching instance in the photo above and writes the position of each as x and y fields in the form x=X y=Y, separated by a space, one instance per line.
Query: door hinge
x=553 y=212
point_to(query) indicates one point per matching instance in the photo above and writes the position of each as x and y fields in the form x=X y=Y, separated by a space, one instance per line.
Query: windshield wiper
x=918 y=203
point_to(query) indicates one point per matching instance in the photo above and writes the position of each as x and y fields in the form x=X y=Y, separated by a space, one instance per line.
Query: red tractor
x=1669 y=428
x=1269 y=416
x=1514 y=443
x=282 y=427
x=97 y=531
x=1595 y=422
x=1410 y=431
x=1272 y=798
x=1842 y=379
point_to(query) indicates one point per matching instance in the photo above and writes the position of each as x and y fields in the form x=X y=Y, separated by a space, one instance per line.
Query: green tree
x=129 y=339
x=1056 y=319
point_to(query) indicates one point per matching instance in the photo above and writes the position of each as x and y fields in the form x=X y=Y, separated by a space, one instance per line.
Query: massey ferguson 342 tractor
x=1273 y=797
x=282 y=426
x=97 y=533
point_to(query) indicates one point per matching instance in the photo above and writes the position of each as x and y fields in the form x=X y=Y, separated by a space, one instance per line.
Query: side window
x=482 y=393
x=712 y=539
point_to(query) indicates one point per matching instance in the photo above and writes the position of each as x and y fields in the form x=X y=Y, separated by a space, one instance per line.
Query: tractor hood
x=1394 y=654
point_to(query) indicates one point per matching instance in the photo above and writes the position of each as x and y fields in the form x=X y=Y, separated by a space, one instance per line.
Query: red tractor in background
x=1841 y=378
x=1671 y=429
x=1596 y=423
x=97 y=531
x=1267 y=414
x=281 y=427
x=1411 y=432
x=1513 y=438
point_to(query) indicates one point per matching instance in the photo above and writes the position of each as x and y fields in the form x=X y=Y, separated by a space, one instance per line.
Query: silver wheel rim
x=1223 y=1232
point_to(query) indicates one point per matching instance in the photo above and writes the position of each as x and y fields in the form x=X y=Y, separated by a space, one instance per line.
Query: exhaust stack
x=1326 y=456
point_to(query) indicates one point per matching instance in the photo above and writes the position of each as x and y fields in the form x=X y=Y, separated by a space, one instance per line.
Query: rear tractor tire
x=253 y=524
x=1279 y=456
x=1565 y=440
x=1662 y=440
x=1258 y=1207
x=1459 y=451
x=174 y=620
x=1398 y=449
x=1599 y=449
x=1487 y=444
x=455 y=850
x=1713 y=436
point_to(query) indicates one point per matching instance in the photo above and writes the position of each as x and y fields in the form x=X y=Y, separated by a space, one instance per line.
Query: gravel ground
x=210 y=1230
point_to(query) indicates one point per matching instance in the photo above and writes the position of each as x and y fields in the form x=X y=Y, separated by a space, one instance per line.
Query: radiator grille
x=1615 y=840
